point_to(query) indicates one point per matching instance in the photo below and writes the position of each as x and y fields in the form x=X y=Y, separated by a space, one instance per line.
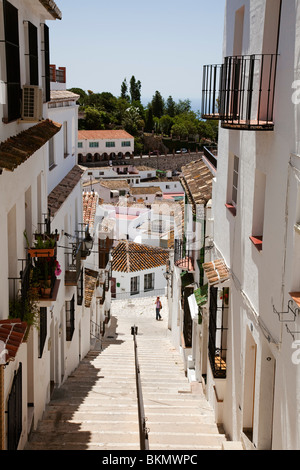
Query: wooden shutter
x=11 y=28
x=33 y=54
x=47 y=62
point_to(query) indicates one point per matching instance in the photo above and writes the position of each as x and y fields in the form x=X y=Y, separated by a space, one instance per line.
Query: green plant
x=47 y=243
x=26 y=308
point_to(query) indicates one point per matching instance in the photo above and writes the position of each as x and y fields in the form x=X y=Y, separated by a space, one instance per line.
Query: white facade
x=45 y=178
x=106 y=145
x=124 y=283
x=257 y=401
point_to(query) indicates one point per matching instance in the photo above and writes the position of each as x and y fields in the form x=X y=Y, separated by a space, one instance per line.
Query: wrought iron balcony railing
x=211 y=87
x=240 y=93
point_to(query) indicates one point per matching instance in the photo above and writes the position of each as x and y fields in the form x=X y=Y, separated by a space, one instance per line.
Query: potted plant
x=43 y=248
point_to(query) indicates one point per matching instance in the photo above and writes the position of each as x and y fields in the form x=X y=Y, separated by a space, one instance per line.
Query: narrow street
x=96 y=408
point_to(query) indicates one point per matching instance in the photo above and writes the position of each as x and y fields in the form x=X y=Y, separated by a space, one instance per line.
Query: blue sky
x=163 y=43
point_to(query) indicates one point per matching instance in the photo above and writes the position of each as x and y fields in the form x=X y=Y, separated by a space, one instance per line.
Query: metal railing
x=241 y=91
x=144 y=438
x=211 y=86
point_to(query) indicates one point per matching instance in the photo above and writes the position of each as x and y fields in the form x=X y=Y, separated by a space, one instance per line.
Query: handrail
x=144 y=441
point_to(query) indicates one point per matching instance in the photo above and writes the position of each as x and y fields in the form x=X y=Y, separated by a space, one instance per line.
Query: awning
x=216 y=271
x=185 y=263
x=17 y=149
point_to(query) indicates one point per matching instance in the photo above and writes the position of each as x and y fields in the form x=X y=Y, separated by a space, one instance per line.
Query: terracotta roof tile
x=216 y=271
x=12 y=333
x=52 y=8
x=17 y=149
x=197 y=181
x=90 y=202
x=115 y=184
x=91 y=278
x=63 y=95
x=103 y=135
x=131 y=257
x=145 y=190
x=61 y=192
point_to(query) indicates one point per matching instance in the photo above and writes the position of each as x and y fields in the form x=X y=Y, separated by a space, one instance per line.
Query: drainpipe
x=2 y=415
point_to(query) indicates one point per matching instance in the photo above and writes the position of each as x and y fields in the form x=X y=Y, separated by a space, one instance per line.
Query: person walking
x=158 y=308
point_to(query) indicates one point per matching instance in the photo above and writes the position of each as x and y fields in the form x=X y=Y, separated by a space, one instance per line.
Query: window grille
x=70 y=319
x=14 y=410
x=218 y=327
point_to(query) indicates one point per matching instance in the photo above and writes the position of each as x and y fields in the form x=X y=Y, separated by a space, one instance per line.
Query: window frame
x=146 y=282
x=134 y=285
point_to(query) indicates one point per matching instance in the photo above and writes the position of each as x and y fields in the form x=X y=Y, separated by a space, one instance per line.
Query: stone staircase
x=96 y=408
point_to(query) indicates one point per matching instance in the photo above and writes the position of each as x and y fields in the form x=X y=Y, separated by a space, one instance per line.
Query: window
x=94 y=144
x=148 y=282
x=134 y=285
x=65 y=128
x=46 y=64
x=235 y=180
x=70 y=319
x=80 y=145
x=11 y=29
x=14 y=411
x=110 y=144
x=31 y=54
x=258 y=210
x=51 y=153
x=126 y=144
x=42 y=330
x=218 y=326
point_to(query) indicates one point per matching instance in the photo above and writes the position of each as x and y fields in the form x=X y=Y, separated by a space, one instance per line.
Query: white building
x=138 y=270
x=253 y=374
x=40 y=194
x=105 y=145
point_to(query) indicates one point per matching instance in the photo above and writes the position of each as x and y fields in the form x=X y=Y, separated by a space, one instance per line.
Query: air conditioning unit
x=32 y=103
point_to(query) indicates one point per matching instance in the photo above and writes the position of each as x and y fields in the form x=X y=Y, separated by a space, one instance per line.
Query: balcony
x=211 y=87
x=73 y=263
x=240 y=93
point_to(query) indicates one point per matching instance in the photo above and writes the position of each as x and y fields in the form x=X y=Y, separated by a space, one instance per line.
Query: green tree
x=179 y=130
x=94 y=119
x=157 y=105
x=149 y=124
x=183 y=106
x=135 y=89
x=81 y=93
x=166 y=123
x=124 y=90
x=132 y=121
x=170 y=107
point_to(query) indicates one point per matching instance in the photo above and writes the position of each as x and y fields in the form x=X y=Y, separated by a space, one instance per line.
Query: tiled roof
x=61 y=192
x=90 y=201
x=115 y=184
x=103 y=135
x=16 y=150
x=216 y=271
x=145 y=190
x=12 y=333
x=197 y=182
x=131 y=257
x=63 y=95
x=52 y=8
x=91 y=278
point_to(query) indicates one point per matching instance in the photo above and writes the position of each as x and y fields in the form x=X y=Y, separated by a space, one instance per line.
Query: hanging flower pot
x=42 y=252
